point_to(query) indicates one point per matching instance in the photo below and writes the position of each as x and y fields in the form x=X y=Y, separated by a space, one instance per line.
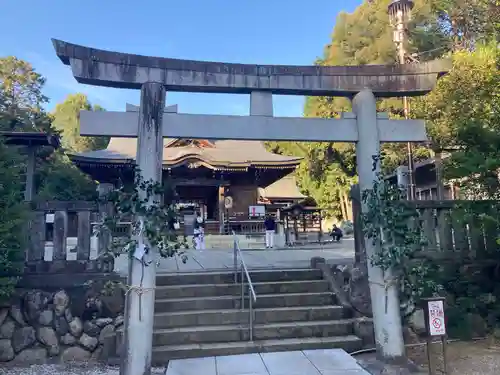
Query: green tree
x=14 y=216
x=467 y=22
x=21 y=109
x=59 y=179
x=462 y=116
x=362 y=37
x=67 y=121
x=21 y=97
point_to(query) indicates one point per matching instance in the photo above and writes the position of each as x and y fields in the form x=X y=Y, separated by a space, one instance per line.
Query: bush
x=347 y=227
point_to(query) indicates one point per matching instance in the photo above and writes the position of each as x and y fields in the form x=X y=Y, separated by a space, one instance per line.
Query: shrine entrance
x=364 y=126
x=201 y=198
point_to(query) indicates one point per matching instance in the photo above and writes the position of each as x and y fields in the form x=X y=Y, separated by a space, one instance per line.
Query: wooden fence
x=53 y=228
x=452 y=229
x=461 y=229
x=62 y=240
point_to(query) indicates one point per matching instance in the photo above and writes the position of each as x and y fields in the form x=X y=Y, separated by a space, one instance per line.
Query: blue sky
x=245 y=31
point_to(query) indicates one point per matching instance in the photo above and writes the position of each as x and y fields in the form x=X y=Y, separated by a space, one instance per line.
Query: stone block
x=23 y=337
x=109 y=347
x=7 y=329
x=88 y=342
x=6 y=350
x=75 y=354
x=315 y=261
x=61 y=325
x=91 y=329
x=35 y=302
x=48 y=337
x=76 y=327
x=363 y=328
x=31 y=356
x=68 y=339
x=46 y=317
x=108 y=330
x=3 y=315
x=61 y=302
x=17 y=314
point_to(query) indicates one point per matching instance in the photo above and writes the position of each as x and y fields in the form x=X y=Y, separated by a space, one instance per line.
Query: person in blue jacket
x=270 y=226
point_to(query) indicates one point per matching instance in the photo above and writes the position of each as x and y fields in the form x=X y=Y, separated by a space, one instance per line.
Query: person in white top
x=199 y=232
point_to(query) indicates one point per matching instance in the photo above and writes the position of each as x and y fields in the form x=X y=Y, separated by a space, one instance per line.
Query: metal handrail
x=244 y=274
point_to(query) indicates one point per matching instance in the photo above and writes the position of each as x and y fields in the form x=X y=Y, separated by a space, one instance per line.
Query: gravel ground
x=464 y=358
x=49 y=369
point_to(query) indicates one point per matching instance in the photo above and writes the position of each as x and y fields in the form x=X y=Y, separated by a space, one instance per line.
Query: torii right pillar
x=384 y=294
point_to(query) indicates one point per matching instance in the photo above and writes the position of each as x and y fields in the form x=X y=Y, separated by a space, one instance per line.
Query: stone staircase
x=220 y=241
x=198 y=315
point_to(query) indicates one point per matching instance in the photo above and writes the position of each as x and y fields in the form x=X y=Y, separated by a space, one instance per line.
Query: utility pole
x=399 y=16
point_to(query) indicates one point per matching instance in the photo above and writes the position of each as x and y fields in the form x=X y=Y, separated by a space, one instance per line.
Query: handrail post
x=251 y=311
x=242 y=287
x=235 y=260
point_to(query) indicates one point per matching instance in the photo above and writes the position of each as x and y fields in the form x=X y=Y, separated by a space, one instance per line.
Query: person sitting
x=336 y=233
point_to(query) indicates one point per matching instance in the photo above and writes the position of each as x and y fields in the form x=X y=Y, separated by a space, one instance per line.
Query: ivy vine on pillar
x=394 y=224
x=153 y=214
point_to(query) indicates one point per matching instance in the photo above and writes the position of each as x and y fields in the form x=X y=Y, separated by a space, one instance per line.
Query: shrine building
x=232 y=183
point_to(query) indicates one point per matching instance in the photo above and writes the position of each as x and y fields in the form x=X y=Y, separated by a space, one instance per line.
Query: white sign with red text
x=436 y=318
x=256 y=211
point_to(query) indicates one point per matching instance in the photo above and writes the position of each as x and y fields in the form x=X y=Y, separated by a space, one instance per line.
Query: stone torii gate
x=365 y=127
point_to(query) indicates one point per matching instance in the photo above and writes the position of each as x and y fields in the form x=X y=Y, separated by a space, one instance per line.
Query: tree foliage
x=438 y=28
x=59 y=179
x=467 y=22
x=21 y=97
x=22 y=110
x=14 y=218
x=67 y=122
x=462 y=116
x=362 y=37
x=395 y=226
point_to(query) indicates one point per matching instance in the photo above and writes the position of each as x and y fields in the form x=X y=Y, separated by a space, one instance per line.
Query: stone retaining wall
x=72 y=324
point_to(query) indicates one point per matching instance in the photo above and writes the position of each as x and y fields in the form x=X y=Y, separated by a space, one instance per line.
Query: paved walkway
x=211 y=260
x=307 y=362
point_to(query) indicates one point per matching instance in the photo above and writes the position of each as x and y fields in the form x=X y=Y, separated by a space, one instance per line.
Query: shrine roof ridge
x=225 y=155
x=123 y=70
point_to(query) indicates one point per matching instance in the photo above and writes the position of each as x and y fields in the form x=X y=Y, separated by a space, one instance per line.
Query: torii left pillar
x=139 y=307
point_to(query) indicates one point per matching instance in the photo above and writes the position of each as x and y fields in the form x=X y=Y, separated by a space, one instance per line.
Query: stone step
x=244 y=245
x=227 y=277
x=162 y=354
x=227 y=333
x=234 y=302
x=272 y=287
x=261 y=316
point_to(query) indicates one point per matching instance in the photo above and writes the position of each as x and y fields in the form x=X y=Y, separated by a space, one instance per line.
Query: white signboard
x=228 y=202
x=49 y=218
x=436 y=318
x=255 y=211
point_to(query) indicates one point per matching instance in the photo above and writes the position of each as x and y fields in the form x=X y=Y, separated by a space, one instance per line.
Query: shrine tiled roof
x=222 y=154
x=284 y=188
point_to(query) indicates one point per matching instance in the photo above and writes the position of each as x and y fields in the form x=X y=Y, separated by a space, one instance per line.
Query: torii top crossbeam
x=122 y=70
